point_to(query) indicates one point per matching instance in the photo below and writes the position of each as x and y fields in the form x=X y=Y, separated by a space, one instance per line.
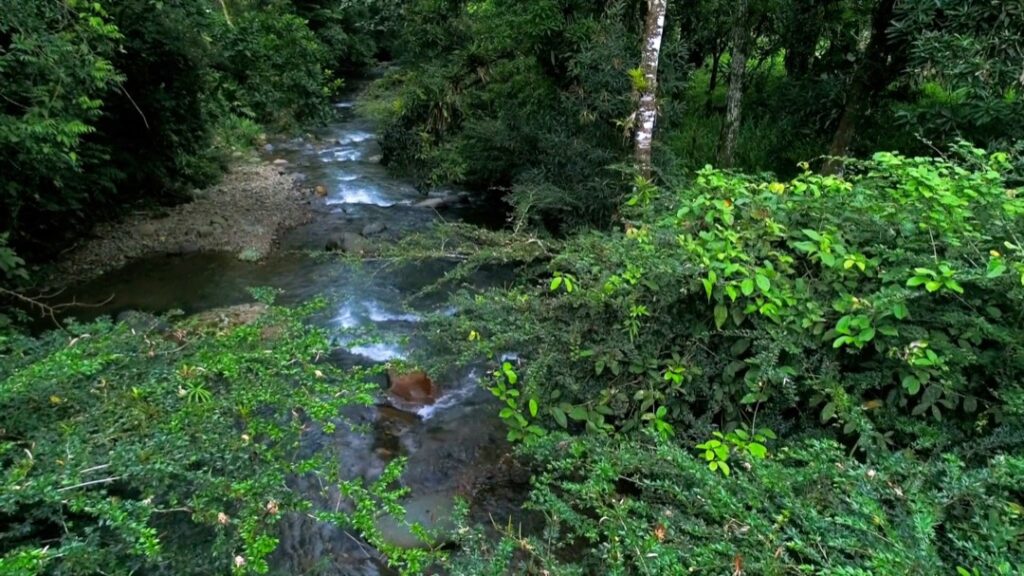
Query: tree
x=880 y=64
x=647 y=113
x=737 y=72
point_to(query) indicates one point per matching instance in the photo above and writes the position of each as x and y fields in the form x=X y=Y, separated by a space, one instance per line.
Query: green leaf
x=995 y=269
x=763 y=283
x=747 y=287
x=578 y=413
x=757 y=450
x=555 y=283
x=708 y=287
x=911 y=384
x=721 y=315
x=533 y=407
x=828 y=412
x=724 y=467
x=559 y=416
x=899 y=310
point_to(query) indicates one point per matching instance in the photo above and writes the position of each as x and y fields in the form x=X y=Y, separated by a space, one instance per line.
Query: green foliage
x=643 y=506
x=55 y=68
x=882 y=305
x=133 y=447
x=104 y=105
x=530 y=100
x=272 y=69
x=966 y=57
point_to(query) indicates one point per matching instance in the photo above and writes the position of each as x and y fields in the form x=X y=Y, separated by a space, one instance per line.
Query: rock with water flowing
x=412 y=387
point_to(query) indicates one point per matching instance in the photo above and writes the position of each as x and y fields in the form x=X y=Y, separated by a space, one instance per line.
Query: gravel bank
x=243 y=214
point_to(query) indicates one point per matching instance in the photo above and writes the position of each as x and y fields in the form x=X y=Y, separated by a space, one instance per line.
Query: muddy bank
x=243 y=215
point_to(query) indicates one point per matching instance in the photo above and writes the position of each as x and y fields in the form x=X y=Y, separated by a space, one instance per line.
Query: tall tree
x=647 y=114
x=737 y=73
x=880 y=64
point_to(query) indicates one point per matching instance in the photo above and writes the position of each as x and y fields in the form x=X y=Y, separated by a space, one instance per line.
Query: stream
x=454 y=446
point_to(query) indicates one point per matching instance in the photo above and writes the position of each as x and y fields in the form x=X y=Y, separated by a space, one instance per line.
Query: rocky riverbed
x=243 y=214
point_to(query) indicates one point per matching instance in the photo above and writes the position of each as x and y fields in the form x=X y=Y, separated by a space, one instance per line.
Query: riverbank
x=243 y=214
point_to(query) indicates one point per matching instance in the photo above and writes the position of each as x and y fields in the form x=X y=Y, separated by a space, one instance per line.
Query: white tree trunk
x=647 y=114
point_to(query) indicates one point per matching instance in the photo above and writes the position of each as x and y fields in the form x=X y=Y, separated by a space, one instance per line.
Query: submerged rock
x=348 y=242
x=433 y=512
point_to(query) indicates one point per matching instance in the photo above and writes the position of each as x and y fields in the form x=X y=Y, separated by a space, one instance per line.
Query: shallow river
x=452 y=447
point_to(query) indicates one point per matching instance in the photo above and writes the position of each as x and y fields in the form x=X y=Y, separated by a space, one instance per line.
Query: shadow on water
x=452 y=447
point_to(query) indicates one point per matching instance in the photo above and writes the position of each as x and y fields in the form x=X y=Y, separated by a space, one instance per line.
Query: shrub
x=883 y=306
x=639 y=505
x=272 y=69
x=55 y=68
x=141 y=447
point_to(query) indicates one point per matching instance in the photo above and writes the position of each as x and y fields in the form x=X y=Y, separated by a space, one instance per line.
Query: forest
x=739 y=283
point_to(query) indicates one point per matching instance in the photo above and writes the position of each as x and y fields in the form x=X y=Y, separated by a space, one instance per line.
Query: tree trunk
x=878 y=68
x=647 y=113
x=802 y=36
x=716 y=61
x=734 y=98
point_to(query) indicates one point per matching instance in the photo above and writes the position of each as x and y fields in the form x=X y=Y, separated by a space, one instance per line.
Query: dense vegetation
x=795 y=337
x=538 y=97
x=808 y=360
x=108 y=104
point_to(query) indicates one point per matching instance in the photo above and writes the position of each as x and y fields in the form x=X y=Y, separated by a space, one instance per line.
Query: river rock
x=280 y=162
x=413 y=387
x=348 y=242
x=142 y=322
x=431 y=511
x=229 y=316
x=440 y=201
x=320 y=190
x=374 y=228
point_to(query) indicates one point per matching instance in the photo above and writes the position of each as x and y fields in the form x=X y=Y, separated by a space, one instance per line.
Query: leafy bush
x=883 y=305
x=272 y=69
x=140 y=447
x=156 y=125
x=55 y=68
x=639 y=505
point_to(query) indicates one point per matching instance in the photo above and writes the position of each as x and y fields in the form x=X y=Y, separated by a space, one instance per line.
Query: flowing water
x=452 y=444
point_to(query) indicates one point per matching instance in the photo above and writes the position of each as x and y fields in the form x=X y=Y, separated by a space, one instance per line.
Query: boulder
x=142 y=322
x=229 y=316
x=440 y=201
x=433 y=202
x=320 y=190
x=374 y=228
x=412 y=387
